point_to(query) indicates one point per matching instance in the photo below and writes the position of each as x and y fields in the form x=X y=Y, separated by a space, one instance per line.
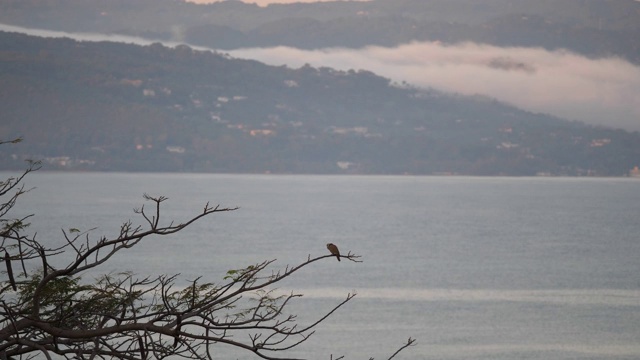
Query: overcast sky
x=603 y=91
x=267 y=2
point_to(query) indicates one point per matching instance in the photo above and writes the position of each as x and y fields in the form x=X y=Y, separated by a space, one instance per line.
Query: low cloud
x=602 y=91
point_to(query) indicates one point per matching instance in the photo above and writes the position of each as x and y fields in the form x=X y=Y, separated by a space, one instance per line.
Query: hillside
x=588 y=27
x=109 y=106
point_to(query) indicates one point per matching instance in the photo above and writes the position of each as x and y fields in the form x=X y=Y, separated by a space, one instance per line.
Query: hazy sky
x=267 y=2
x=602 y=91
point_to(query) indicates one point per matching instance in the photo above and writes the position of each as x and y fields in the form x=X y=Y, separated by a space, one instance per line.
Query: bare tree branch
x=46 y=310
x=410 y=342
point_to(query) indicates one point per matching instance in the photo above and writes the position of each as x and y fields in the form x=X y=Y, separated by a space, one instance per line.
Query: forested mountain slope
x=110 y=106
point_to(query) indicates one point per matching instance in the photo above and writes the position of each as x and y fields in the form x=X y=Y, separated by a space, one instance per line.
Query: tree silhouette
x=51 y=310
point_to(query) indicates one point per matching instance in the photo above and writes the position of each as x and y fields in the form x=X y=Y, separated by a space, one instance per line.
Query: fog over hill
x=575 y=59
x=598 y=91
x=110 y=106
x=602 y=91
x=479 y=87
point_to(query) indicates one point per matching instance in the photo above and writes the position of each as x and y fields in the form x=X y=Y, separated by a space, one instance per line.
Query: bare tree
x=47 y=310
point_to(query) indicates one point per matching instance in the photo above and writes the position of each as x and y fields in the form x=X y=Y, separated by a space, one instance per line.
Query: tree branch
x=52 y=311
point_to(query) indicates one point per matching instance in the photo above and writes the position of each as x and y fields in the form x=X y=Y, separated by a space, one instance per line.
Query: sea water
x=473 y=268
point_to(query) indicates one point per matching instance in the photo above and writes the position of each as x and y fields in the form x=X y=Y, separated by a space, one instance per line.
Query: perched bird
x=12 y=280
x=334 y=250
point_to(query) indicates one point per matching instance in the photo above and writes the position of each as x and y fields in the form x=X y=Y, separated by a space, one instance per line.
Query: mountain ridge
x=588 y=27
x=106 y=106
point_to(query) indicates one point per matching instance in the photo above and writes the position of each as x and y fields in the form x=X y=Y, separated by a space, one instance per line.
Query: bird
x=334 y=250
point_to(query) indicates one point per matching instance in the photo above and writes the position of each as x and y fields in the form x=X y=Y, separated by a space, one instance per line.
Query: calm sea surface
x=474 y=268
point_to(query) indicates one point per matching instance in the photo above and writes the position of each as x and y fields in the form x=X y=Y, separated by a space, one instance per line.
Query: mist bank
x=111 y=106
x=601 y=91
x=597 y=91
